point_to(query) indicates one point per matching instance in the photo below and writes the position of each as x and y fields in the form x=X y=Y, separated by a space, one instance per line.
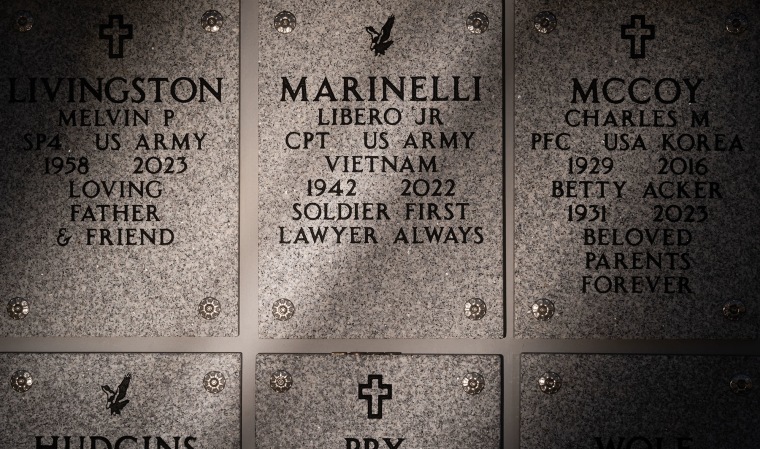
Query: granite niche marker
x=119 y=169
x=125 y=400
x=381 y=170
x=638 y=401
x=381 y=401
x=636 y=194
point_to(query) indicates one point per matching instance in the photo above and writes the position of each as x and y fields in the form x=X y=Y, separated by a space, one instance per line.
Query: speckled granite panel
x=427 y=236
x=165 y=398
x=428 y=407
x=638 y=401
x=637 y=200
x=119 y=167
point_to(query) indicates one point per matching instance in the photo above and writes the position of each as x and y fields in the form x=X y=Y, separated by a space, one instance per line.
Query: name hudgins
x=124 y=442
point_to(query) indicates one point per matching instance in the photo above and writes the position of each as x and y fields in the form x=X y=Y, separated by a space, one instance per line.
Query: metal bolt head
x=734 y=310
x=18 y=308
x=283 y=309
x=21 y=381
x=741 y=384
x=281 y=381
x=209 y=308
x=545 y=22
x=23 y=21
x=475 y=309
x=473 y=383
x=214 y=382
x=212 y=21
x=543 y=309
x=736 y=23
x=477 y=23
x=550 y=382
x=285 y=22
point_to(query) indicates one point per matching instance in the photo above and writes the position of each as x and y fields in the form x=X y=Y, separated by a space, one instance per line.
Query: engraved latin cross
x=116 y=31
x=638 y=32
x=375 y=395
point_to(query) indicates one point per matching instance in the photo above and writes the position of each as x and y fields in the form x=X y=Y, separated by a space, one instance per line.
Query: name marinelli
x=373 y=88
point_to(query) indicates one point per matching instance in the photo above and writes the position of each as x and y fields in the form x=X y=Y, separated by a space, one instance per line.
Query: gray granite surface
x=166 y=395
x=91 y=289
x=388 y=289
x=652 y=290
x=428 y=409
x=639 y=399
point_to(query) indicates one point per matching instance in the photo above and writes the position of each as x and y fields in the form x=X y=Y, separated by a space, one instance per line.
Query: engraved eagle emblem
x=114 y=399
x=380 y=41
